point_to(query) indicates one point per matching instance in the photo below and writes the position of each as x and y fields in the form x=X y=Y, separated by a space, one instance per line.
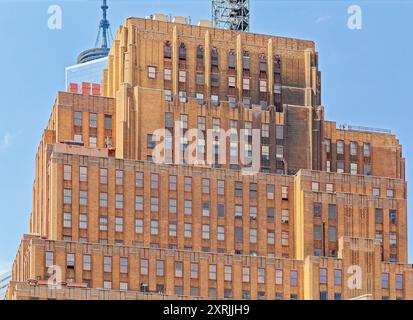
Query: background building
x=327 y=200
x=4 y=283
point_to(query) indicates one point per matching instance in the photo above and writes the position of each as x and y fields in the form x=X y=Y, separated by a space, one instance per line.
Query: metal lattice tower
x=101 y=48
x=231 y=14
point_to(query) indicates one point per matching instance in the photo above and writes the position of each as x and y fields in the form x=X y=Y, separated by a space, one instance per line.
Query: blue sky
x=366 y=74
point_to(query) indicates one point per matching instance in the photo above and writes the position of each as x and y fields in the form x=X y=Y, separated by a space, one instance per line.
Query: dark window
x=231 y=59
x=108 y=122
x=238 y=234
x=270 y=214
x=392 y=216
x=182 y=52
x=238 y=188
x=214 y=57
x=200 y=55
x=332 y=211
x=167 y=50
x=253 y=190
x=221 y=210
x=214 y=80
x=317 y=209
x=379 y=216
x=263 y=63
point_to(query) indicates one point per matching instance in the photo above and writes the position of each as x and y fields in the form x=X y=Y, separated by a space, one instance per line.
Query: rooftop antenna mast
x=103 y=39
x=231 y=14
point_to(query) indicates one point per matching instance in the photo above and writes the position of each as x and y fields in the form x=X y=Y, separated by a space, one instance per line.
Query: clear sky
x=366 y=74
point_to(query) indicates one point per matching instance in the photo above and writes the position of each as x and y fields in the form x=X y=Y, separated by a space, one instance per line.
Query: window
x=270 y=237
x=168 y=95
x=329 y=187
x=353 y=169
x=78 y=119
x=188 y=207
x=337 y=296
x=83 y=221
x=261 y=275
x=67 y=220
x=231 y=59
x=253 y=190
x=221 y=187
x=182 y=97
x=366 y=150
x=392 y=216
x=238 y=234
x=376 y=192
x=172 y=229
x=323 y=295
x=67 y=196
x=332 y=211
x=317 y=209
x=284 y=193
x=214 y=80
x=103 y=223
x=245 y=83
x=238 y=211
x=92 y=141
x=139 y=203
x=293 y=278
x=119 y=224
x=253 y=213
x=245 y=274
x=246 y=102
x=108 y=122
x=214 y=100
x=340 y=147
x=221 y=233
x=253 y=236
x=144 y=267
x=232 y=101
x=93 y=120
x=270 y=215
x=317 y=232
x=315 y=186
x=151 y=72
x=379 y=236
x=182 y=76
x=70 y=260
x=187 y=230
x=390 y=193
x=392 y=239
x=332 y=234
x=212 y=272
x=139 y=226
x=103 y=176
x=284 y=216
x=279 y=152
x=154 y=227
x=87 y=262
x=154 y=181
x=231 y=81
x=399 y=282
x=154 y=204
x=139 y=179
x=367 y=169
x=178 y=269
x=279 y=132
x=49 y=259
x=284 y=238
x=205 y=231
x=323 y=276
x=327 y=143
x=263 y=86
x=78 y=137
x=167 y=74
x=67 y=172
x=205 y=209
x=227 y=273
x=107 y=264
x=337 y=277
x=194 y=270
x=278 y=276
x=221 y=210
x=119 y=201
x=83 y=198
x=123 y=262
x=205 y=186
x=167 y=51
x=340 y=166
x=328 y=166
x=160 y=268
x=107 y=285
x=119 y=177
x=385 y=280
x=103 y=199
x=353 y=148
x=270 y=191
x=379 y=216
x=123 y=286
x=214 y=57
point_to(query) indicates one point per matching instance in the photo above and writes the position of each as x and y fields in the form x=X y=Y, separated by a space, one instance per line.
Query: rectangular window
x=144 y=267
x=337 y=277
x=49 y=259
x=245 y=83
x=67 y=196
x=231 y=81
x=108 y=122
x=67 y=172
x=92 y=141
x=83 y=174
x=103 y=199
x=238 y=211
x=253 y=235
x=284 y=238
x=332 y=211
x=93 y=120
x=154 y=227
x=340 y=147
x=284 y=216
x=261 y=275
x=160 y=268
x=172 y=205
x=214 y=80
x=245 y=274
x=205 y=186
x=182 y=97
x=317 y=209
x=78 y=119
x=172 y=229
x=168 y=95
x=278 y=276
x=379 y=215
x=139 y=226
x=340 y=166
x=188 y=207
x=284 y=192
x=271 y=237
x=83 y=221
x=385 y=280
x=323 y=276
x=119 y=177
x=179 y=269
x=353 y=148
x=87 y=262
x=167 y=74
x=270 y=215
x=67 y=220
x=119 y=224
x=83 y=198
x=151 y=72
x=119 y=201
x=212 y=272
x=103 y=223
x=188 y=184
x=221 y=233
x=227 y=273
x=123 y=263
x=154 y=181
x=353 y=169
x=332 y=234
x=392 y=216
x=399 y=282
x=205 y=231
x=70 y=260
x=187 y=230
x=194 y=270
x=263 y=86
x=107 y=264
x=317 y=232
x=293 y=278
x=139 y=179
x=366 y=149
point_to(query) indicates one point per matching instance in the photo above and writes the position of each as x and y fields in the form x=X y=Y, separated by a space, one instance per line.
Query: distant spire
x=101 y=48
